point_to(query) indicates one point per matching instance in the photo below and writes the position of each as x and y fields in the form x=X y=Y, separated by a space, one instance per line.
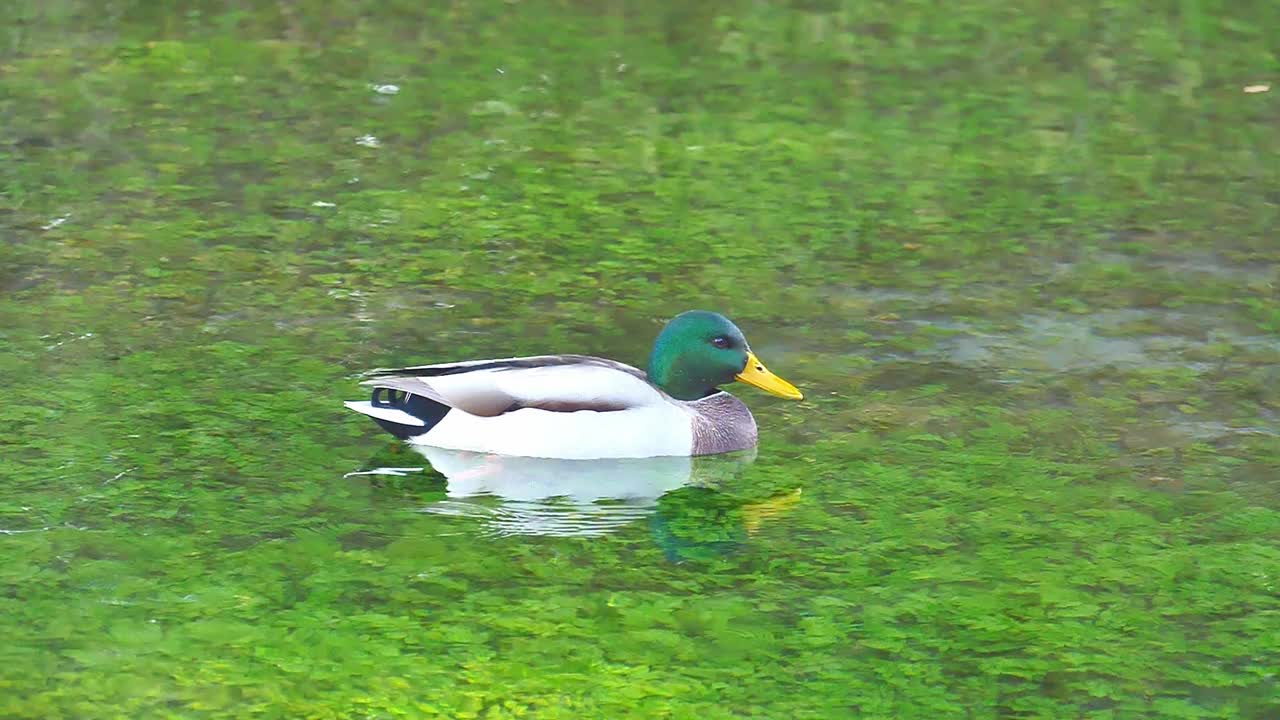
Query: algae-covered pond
x=1021 y=258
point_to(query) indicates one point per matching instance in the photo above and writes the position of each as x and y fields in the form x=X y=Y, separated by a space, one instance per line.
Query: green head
x=698 y=351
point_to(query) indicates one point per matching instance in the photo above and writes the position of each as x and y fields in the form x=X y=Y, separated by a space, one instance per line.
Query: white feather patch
x=389 y=414
x=649 y=431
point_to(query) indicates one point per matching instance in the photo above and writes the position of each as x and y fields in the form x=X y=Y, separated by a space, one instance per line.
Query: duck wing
x=557 y=383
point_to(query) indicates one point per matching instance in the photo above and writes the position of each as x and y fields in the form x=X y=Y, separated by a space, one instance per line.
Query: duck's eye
x=720 y=341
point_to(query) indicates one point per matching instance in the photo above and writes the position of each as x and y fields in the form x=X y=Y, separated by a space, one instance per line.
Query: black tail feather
x=428 y=411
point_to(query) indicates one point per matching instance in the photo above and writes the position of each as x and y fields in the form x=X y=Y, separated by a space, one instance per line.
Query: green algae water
x=1021 y=259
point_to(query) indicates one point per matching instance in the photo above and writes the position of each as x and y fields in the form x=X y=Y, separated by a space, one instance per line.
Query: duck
x=580 y=406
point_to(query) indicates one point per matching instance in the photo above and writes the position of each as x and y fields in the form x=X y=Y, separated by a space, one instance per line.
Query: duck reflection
x=544 y=496
x=694 y=509
x=698 y=523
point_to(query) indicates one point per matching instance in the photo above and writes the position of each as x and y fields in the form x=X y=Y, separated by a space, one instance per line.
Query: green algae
x=1021 y=262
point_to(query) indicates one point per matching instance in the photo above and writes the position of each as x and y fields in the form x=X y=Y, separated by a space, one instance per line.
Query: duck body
x=575 y=406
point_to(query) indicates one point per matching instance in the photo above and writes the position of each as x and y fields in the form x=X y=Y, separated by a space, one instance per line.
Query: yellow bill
x=755 y=373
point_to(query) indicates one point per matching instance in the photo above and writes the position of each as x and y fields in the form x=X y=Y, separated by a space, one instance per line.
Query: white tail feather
x=389 y=414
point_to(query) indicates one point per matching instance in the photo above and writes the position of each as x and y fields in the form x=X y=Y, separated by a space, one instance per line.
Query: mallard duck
x=578 y=406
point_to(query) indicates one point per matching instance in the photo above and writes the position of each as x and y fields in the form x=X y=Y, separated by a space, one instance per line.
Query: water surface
x=1023 y=266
